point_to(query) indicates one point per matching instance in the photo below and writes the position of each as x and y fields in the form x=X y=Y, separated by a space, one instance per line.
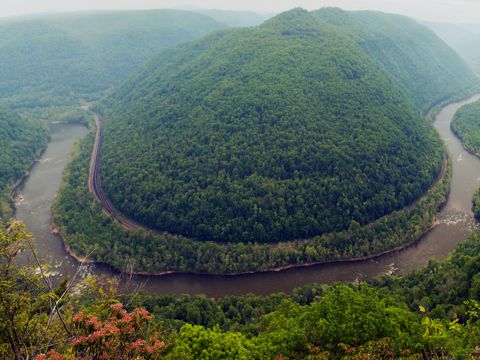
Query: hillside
x=280 y=132
x=21 y=140
x=56 y=60
x=427 y=70
x=463 y=38
x=466 y=125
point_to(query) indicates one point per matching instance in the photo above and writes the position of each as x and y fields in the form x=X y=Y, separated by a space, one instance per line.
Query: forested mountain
x=427 y=70
x=20 y=141
x=466 y=125
x=55 y=60
x=288 y=130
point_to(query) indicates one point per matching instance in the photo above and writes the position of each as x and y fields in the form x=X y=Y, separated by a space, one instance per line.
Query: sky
x=453 y=11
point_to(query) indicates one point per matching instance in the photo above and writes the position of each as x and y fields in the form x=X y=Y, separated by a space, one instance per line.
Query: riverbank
x=368 y=245
x=452 y=227
x=7 y=196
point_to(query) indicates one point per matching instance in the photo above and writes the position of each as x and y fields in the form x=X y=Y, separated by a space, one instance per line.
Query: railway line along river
x=35 y=196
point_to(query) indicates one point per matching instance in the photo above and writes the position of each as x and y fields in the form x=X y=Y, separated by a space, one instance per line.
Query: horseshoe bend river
x=35 y=196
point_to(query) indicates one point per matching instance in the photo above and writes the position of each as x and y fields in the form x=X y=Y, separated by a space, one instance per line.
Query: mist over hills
x=417 y=60
x=234 y=18
x=463 y=38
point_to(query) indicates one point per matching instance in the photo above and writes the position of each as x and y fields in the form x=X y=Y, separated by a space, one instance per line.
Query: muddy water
x=456 y=222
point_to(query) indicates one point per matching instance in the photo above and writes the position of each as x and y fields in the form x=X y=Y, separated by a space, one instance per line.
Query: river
x=456 y=223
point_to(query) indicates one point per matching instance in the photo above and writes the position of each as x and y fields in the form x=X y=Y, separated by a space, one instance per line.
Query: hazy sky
x=435 y=10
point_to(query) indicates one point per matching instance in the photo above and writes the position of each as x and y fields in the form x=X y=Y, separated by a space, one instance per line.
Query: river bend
x=35 y=196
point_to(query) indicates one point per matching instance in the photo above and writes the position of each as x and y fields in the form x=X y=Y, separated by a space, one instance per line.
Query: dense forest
x=429 y=72
x=466 y=125
x=443 y=297
x=51 y=63
x=430 y=314
x=21 y=140
x=79 y=56
x=274 y=133
x=271 y=145
x=87 y=230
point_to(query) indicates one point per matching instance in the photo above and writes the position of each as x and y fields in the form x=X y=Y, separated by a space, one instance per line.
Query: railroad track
x=95 y=185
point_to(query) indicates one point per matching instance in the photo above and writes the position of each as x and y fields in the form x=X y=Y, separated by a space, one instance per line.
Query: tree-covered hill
x=466 y=125
x=427 y=70
x=20 y=141
x=55 y=60
x=283 y=131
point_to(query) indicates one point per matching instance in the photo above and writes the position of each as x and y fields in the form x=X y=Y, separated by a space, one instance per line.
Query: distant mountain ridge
x=417 y=60
x=463 y=38
x=235 y=18
x=21 y=140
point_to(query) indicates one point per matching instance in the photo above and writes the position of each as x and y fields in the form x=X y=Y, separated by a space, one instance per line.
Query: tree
x=31 y=317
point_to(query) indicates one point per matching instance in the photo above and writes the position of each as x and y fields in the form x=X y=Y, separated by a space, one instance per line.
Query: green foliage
x=348 y=321
x=75 y=56
x=476 y=203
x=347 y=316
x=345 y=321
x=429 y=72
x=196 y=342
x=466 y=125
x=236 y=313
x=21 y=141
x=275 y=133
x=357 y=321
x=29 y=308
x=443 y=286
x=88 y=231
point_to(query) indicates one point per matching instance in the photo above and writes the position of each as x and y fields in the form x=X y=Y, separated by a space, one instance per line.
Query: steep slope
x=463 y=38
x=284 y=131
x=466 y=125
x=427 y=70
x=56 y=60
x=20 y=141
